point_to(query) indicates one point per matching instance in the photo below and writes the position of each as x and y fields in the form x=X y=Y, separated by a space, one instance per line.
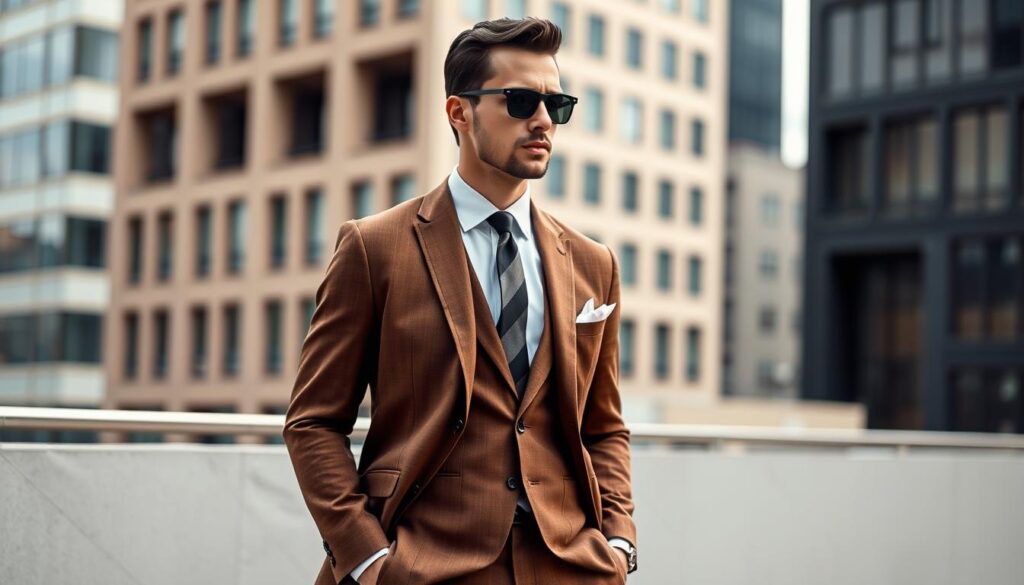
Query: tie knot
x=501 y=221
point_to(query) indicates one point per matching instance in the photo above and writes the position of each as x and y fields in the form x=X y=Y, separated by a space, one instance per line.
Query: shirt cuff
x=356 y=572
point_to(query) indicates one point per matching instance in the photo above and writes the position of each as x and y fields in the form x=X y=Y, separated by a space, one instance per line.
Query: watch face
x=632 y=559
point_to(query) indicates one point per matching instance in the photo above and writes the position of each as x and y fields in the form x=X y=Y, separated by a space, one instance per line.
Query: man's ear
x=458 y=115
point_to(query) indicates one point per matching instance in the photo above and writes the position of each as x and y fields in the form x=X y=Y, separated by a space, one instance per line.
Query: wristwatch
x=631 y=558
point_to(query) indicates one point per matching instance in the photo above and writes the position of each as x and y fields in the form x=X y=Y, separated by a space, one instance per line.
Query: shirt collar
x=473 y=208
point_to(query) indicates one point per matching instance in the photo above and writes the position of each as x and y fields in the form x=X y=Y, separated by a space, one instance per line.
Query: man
x=487 y=331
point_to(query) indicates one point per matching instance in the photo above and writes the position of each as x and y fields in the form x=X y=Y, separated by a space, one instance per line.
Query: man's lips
x=536 y=147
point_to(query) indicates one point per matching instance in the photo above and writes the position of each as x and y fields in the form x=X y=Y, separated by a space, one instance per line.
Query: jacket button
x=415 y=487
x=457 y=425
x=512 y=483
x=521 y=426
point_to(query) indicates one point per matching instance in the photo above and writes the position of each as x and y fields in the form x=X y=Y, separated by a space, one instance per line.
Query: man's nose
x=540 y=118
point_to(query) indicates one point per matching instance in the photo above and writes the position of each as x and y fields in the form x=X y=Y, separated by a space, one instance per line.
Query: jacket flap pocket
x=380 y=483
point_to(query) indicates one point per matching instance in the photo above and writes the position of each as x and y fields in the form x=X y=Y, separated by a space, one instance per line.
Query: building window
x=403 y=188
x=973 y=38
x=556 y=177
x=278 y=230
x=561 y=16
x=159 y=128
x=912 y=175
x=288 y=21
x=369 y=12
x=634 y=48
x=632 y=124
x=314 y=227
x=988 y=289
x=394 y=107
x=145 y=49
x=592 y=183
x=362 y=199
x=693 y=354
x=1008 y=36
x=307 y=119
x=669 y=61
x=905 y=40
x=766 y=320
x=199 y=353
x=408 y=8
x=135 y=249
x=664 y=270
x=165 y=226
x=938 y=38
x=848 y=171
x=593 y=110
x=595 y=35
x=839 y=32
x=666 y=199
x=701 y=11
x=769 y=264
x=668 y=130
x=987 y=400
x=981 y=161
x=161 y=343
x=474 y=10
x=236 y=237
x=175 y=41
x=515 y=8
x=204 y=240
x=697 y=137
x=696 y=206
x=323 y=18
x=627 y=254
x=246 y=27
x=213 y=35
x=230 y=113
x=630 y=195
x=661 y=340
x=700 y=63
x=627 y=342
x=695 y=278
x=232 y=339
x=131 y=345
x=272 y=315
x=770 y=212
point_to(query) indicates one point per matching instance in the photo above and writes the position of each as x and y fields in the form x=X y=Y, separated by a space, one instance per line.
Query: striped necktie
x=514 y=303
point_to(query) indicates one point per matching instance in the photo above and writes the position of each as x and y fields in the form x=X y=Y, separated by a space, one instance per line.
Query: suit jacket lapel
x=559 y=292
x=438 y=231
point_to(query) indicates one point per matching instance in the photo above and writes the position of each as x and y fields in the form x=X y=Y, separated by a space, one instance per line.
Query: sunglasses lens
x=559 y=108
x=522 y=104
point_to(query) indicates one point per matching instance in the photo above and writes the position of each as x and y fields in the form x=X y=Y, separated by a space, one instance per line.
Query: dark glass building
x=755 y=72
x=914 y=275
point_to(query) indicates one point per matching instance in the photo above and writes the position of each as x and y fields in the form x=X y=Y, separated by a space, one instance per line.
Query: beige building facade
x=249 y=130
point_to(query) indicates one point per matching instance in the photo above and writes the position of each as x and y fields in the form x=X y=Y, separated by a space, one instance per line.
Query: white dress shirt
x=481 y=242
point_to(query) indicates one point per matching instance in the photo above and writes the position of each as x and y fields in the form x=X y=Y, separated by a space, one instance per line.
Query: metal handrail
x=25 y=417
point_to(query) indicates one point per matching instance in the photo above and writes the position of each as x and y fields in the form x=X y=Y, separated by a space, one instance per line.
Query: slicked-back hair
x=468 y=63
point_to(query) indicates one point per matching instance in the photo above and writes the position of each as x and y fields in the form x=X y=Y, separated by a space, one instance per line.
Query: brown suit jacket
x=399 y=282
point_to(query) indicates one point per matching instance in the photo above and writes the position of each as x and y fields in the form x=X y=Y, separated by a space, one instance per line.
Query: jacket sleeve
x=337 y=360
x=604 y=433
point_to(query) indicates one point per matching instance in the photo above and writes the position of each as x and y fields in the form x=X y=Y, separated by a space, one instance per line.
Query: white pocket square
x=590 y=315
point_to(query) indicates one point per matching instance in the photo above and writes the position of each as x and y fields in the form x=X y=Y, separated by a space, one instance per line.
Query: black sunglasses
x=522 y=102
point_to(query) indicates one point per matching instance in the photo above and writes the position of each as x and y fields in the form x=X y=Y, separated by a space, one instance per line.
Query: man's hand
x=369 y=576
